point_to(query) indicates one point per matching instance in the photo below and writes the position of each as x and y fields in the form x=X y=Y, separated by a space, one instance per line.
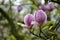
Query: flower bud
x=50 y=6
x=25 y=31
x=43 y=7
x=19 y=8
x=28 y=19
x=40 y=17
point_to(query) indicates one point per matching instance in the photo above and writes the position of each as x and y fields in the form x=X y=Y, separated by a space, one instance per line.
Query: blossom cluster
x=49 y=6
x=39 y=17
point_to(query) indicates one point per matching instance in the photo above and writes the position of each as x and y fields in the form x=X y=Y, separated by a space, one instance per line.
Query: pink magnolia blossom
x=40 y=17
x=28 y=19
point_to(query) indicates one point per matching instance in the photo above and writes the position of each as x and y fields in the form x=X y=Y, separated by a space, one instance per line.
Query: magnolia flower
x=40 y=17
x=19 y=8
x=43 y=7
x=28 y=19
x=50 y=6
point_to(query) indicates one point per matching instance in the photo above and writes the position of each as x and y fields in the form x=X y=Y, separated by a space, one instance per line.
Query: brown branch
x=56 y=1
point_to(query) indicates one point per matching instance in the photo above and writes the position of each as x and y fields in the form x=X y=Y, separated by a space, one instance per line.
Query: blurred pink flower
x=43 y=7
x=19 y=8
x=50 y=6
x=25 y=31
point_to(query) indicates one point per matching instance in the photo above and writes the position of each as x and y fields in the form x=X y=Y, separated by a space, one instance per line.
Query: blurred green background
x=12 y=21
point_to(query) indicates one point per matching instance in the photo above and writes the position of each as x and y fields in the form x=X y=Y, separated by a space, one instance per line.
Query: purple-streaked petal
x=28 y=19
x=40 y=16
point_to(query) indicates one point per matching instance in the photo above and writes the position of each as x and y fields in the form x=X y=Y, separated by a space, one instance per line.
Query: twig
x=38 y=36
x=55 y=1
x=41 y=31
